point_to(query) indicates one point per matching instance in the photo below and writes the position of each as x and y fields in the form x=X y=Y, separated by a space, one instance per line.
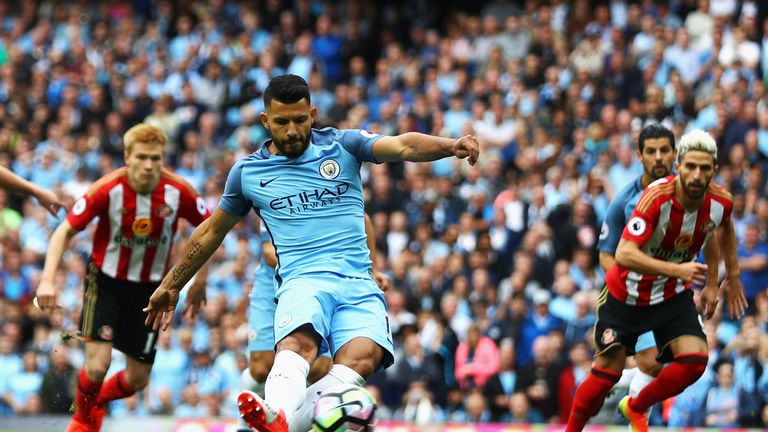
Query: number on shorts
x=150 y=341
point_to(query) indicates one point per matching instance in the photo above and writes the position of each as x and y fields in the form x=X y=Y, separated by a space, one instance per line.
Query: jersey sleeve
x=359 y=143
x=192 y=206
x=92 y=204
x=610 y=232
x=644 y=219
x=233 y=201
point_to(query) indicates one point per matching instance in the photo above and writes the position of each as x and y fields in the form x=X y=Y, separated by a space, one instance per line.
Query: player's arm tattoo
x=178 y=272
x=195 y=248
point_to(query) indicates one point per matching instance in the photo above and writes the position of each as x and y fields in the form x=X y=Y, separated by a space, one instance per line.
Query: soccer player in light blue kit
x=656 y=151
x=305 y=185
x=261 y=315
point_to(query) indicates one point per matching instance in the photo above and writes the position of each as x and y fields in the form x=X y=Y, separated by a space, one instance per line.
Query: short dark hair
x=286 y=89
x=654 y=131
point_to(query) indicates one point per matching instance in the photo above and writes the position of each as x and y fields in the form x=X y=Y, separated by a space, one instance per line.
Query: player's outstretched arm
x=731 y=288
x=204 y=241
x=418 y=147
x=46 y=293
x=629 y=256
x=47 y=199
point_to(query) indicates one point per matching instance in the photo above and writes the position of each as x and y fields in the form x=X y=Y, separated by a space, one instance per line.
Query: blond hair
x=146 y=134
x=697 y=140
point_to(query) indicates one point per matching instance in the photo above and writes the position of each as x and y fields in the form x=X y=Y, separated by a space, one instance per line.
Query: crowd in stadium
x=494 y=267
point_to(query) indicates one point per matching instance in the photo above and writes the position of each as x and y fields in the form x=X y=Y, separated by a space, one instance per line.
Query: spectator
x=499 y=388
x=22 y=391
x=722 y=406
x=477 y=359
x=57 y=389
x=539 y=379
x=753 y=262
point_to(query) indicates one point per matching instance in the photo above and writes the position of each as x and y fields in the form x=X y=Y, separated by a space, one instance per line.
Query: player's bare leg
x=88 y=415
x=319 y=369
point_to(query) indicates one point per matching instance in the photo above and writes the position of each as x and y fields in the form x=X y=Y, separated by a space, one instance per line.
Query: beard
x=293 y=148
x=659 y=171
x=695 y=190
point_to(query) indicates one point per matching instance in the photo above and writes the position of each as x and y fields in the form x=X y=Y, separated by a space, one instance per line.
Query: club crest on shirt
x=329 y=169
x=708 y=227
x=164 y=211
x=608 y=337
x=683 y=241
x=142 y=227
x=284 y=320
x=105 y=332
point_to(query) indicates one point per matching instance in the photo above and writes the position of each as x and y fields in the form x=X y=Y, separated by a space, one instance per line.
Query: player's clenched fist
x=467 y=147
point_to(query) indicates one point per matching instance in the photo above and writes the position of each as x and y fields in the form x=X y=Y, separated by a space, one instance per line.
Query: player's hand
x=692 y=272
x=733 y=291
x=382 y=280
x=709 y=300
x=50 y=201
x=160 y=309
x=467 y=147
x=46 y=298
x=195 y=300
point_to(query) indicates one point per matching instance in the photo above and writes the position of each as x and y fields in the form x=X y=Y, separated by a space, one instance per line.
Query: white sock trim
x=346 y=374
x=640 y=380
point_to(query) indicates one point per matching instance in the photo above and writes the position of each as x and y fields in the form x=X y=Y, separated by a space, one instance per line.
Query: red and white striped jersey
x=663 y=229
x=135 y=232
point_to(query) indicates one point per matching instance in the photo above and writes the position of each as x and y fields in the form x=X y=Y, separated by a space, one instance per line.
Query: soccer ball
x=344 y=407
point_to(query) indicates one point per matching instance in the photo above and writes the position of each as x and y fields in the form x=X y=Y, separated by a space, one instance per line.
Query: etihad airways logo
x=308 y=200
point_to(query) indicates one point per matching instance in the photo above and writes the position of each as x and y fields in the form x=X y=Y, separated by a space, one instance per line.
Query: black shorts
x=112 y=312
x=621 y=324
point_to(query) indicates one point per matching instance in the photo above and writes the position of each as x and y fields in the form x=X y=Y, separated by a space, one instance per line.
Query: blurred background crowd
x=494 y=267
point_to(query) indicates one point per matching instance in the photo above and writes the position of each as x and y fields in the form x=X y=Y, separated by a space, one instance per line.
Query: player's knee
x=136 y=379
x=304 y=341
x=646 y=362
x=96 y=370
x=259 y=370
x=361 y=355
x=96 y=373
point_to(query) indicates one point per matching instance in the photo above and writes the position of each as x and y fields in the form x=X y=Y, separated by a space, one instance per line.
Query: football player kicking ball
x=305 y=185
x=138 y=207
x=261 y=316
x=649 y=285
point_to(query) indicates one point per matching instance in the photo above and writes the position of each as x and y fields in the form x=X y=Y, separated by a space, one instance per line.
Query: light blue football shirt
x=619 y=211
x=312 y=206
